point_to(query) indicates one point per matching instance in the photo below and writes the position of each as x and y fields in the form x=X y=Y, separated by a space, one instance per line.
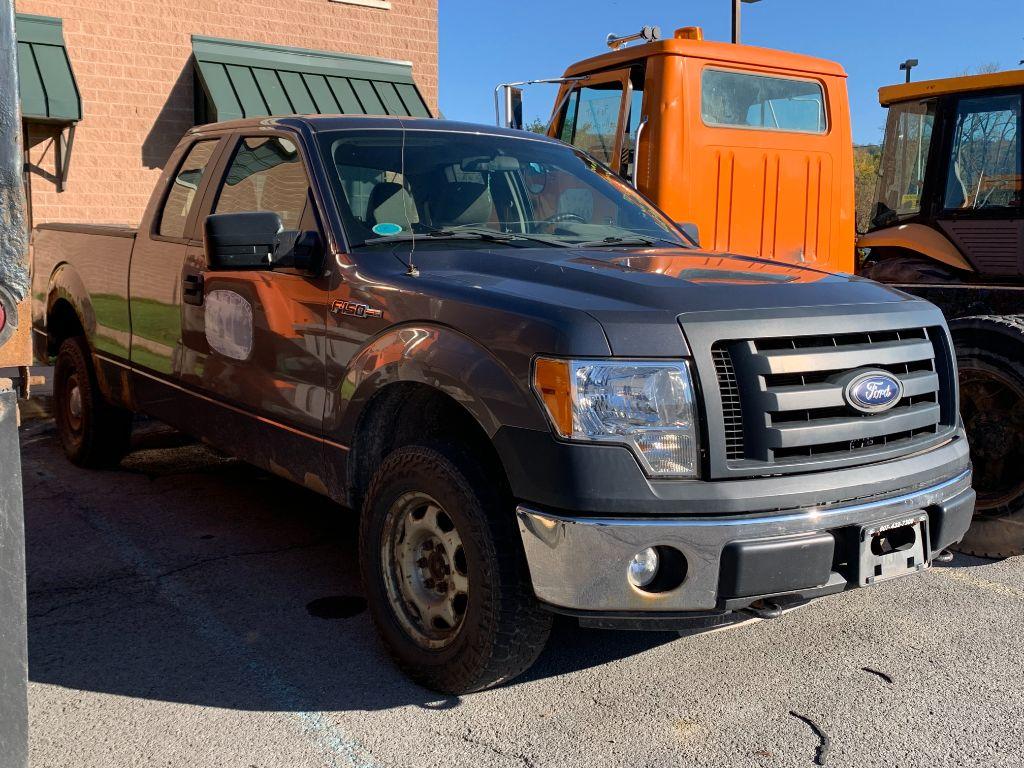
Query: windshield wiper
x=631 y=240
x=442 y=234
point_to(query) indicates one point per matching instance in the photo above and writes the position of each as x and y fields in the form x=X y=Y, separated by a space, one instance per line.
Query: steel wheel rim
x=74 y=403
x=425 y=570
x=993 y=410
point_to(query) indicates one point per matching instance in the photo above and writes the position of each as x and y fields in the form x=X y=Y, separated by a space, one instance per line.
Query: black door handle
x=192 y=289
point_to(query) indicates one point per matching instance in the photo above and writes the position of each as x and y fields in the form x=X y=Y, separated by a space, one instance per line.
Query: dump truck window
x=182 y=193
x=908 y=138
x=985 y=160
x=744 y=100
x=592 y=120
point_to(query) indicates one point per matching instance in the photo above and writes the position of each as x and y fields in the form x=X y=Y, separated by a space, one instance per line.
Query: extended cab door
x=253 y=340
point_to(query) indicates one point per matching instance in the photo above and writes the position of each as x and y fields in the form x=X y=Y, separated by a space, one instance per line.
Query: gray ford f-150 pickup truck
x=540 y=395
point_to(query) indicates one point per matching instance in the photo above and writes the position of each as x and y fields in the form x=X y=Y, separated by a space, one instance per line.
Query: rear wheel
x=908 y=268
x=444 y=573
x=990 y=357
x=92 y=432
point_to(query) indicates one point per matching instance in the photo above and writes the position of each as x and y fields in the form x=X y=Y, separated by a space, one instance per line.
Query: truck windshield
x=908 y=138
x=393 y=184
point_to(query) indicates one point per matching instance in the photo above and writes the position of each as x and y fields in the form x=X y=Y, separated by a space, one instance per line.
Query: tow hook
x=763 y=609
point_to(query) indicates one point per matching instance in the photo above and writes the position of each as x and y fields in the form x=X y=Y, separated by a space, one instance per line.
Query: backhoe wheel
x=93 y=432
x=990 y=356
x=908 y=269
x=444 y=572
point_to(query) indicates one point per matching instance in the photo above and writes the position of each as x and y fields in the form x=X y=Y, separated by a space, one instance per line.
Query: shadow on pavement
x=190 y=577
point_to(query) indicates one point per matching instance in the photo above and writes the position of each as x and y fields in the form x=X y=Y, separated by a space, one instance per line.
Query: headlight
x=648 y=406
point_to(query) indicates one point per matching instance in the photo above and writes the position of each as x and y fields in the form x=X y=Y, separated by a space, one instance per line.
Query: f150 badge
x=354 y=309
x=873 y=391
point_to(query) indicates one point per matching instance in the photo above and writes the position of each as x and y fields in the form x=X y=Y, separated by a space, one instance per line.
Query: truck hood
x=638 y=294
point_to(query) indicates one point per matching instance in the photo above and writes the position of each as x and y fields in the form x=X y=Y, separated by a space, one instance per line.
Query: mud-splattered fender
x=444 y=359
x=65 y=284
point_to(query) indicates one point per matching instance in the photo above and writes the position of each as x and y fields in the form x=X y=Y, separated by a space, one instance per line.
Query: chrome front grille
x=782 y=404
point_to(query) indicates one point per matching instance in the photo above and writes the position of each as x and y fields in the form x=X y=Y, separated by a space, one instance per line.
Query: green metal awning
x=46 y=82
x=254 y=80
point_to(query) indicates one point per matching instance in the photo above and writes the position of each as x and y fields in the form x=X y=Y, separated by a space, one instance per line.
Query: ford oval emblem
x=873 y=391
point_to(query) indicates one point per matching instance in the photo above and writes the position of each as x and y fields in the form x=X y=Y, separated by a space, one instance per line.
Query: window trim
x=825 y=103
x=188 y=235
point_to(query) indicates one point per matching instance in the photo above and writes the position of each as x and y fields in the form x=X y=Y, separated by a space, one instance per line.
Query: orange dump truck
x=750 y=145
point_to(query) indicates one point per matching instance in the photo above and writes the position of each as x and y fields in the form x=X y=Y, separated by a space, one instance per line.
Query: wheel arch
x=400 y=384
x=919 y=239
x=69 y=311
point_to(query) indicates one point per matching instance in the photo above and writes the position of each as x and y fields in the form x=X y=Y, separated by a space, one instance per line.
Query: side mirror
x=245 y=240
x=511 y=99
x=303 y=250
x=690 y=231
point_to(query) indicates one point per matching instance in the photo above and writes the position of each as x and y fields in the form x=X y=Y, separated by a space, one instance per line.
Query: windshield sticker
x=385 y=228
x=229 y=324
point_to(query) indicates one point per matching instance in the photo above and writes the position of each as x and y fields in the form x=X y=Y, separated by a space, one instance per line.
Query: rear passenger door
x=255 y=342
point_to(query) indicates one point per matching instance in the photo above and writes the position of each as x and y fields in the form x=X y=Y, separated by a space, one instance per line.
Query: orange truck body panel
x=775 y=194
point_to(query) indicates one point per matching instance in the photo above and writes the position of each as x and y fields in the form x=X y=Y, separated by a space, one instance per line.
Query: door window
x=181 y=196
x=592 y=120
x=266 y=174
x=908 y=138
x=985 y=160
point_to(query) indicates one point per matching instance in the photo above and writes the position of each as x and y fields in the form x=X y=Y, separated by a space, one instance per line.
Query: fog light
x=643 y=567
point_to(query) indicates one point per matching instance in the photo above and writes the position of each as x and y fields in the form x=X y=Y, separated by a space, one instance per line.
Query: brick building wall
x=132 y=61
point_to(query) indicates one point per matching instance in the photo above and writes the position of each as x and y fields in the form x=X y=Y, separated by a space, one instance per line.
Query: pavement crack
x=524 y=759
x=824 y=742
x=877 y=673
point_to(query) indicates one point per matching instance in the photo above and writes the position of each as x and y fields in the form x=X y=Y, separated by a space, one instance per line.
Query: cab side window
x=181 y=196
x=592 y=120
x=266 y=174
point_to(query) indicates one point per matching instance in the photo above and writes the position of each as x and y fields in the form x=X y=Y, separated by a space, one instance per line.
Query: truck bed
x=89 y=260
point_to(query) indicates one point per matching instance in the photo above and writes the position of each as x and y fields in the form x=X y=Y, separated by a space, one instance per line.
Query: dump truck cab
x=751 y=145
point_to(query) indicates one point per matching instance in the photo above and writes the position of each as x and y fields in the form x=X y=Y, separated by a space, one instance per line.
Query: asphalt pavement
x=189 y=610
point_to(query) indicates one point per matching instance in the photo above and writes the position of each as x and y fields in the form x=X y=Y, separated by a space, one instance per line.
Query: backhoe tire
x=908 y=269
x=93 y=432
x=990 y=358
x=444 y=572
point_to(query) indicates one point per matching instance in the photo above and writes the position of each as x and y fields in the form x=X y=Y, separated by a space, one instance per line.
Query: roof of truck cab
x=922 y=89
x=727 y=53
x=348 y=122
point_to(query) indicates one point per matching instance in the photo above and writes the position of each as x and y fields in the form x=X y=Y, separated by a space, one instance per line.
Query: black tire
x=990 y=358
x=501 y=630
x=909 y=269
x=93 y=432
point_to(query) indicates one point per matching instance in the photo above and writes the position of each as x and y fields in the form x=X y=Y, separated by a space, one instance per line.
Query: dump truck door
x=596 y=115
x=981 y=206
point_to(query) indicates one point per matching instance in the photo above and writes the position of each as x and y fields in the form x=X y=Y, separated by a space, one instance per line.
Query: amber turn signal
x=551 y=382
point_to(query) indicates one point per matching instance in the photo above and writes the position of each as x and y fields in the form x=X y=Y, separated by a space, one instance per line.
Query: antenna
x=647 y=34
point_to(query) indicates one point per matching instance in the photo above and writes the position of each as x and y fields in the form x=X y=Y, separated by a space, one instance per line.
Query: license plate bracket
x=893 y=548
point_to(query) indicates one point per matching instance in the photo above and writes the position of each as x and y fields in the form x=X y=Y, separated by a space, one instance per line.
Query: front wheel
x=990 y=357
x=444 y=573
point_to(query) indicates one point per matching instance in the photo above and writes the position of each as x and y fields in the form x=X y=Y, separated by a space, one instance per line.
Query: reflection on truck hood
x=653 y=279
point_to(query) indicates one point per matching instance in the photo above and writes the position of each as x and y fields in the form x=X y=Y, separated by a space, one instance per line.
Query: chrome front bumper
x=580 y=564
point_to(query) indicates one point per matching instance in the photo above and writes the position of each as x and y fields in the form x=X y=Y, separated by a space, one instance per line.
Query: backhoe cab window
x=985 y=162
x=504 y=189
x=744 y=100
x=908 y=137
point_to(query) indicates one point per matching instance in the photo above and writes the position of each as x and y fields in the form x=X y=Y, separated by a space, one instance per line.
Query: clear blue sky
x=485 y=42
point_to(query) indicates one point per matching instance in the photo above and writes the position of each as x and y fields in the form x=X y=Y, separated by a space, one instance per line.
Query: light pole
x=908 y=65
x=736 y=18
